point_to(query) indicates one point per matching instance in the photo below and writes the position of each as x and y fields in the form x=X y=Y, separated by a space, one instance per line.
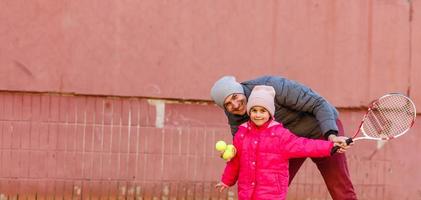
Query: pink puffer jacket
x=261 y=163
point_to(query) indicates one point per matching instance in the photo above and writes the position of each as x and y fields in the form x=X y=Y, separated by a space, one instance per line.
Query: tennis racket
x=388 y=117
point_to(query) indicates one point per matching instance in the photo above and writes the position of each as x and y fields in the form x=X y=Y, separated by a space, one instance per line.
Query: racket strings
x=389 y=116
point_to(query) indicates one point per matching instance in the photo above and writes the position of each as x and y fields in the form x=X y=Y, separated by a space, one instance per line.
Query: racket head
x=390 y=116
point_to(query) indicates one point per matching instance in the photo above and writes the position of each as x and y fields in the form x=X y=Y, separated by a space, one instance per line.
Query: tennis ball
x=221 y=146
x=229 y=152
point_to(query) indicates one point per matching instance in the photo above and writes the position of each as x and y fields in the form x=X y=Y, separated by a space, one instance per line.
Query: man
x=303 y=112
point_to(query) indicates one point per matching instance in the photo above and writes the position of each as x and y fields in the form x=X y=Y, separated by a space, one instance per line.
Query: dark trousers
x=334 y=170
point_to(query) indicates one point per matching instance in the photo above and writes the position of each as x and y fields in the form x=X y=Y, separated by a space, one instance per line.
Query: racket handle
x=349 y=141
x=336 y=148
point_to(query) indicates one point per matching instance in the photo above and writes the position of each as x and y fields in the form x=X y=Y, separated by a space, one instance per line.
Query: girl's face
x=259 y=115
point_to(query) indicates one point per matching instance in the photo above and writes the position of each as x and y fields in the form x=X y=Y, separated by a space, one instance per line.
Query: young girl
x=263 y=149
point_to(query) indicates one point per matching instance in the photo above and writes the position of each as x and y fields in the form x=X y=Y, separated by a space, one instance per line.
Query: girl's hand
x=221 y=186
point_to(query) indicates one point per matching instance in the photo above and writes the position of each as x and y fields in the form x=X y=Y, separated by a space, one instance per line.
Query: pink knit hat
x=263 y=96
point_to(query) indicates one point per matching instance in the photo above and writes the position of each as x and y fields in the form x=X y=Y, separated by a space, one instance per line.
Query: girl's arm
x=231 y=171
x=303 y=147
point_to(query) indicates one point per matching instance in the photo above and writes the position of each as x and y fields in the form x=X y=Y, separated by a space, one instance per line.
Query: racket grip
x=349 y=141
x=336 y=148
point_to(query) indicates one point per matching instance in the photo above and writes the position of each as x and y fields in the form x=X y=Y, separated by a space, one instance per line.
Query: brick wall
x=91 y=147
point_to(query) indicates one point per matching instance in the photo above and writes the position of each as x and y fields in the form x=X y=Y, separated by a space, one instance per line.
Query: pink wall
x=176 y=49
x=75 y=137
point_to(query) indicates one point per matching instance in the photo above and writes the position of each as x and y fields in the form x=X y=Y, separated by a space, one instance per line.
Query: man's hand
x=221 y=186
x=341 y=142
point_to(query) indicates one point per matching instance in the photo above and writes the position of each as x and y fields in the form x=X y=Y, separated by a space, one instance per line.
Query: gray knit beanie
x=263 y=96
x=224 y=87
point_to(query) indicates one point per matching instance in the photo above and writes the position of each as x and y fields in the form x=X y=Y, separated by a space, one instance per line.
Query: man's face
x=236 y=104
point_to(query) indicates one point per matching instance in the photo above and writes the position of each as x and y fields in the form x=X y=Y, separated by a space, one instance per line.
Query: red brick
x=98 y=139
x=26 y=107
x=144 y=133
x=68 y=190
x=62 y=136
x=54 y=108
x=51 y=164
x=99 y=110
x=185 y=141
x=77 y=165
x=153 y=167
x=115 y=163
x=17 y=106
x=123 y=169
x=95 y=189
x=106 y=142
x=63 y=108
x=70 y=135
x=117 y=104
x=134 y=139
x=154 y=141
x=28 y=189
x=79 y=135
x=113 y=189
x=141 y=166
x=24 y=163
x=131 y=191
x=34 y=138
x=41 y=189
x=125 y=111
x=115 y=139
x=97 y=165
x=69 y=164
x=174 y=168
x=135 y=111
x=90 y=110
x=7 y=138
x=88 y=138
x=8 y=106
x=14 y=163
x=59 y=189
x=132 y=166
x=151 y=115
x=108 y=111
x=36 y=111
x=144 y=114
x=16 y=135
x=87 y=165
x=6 y=163
x=107 y=166
x=124 y=140
x=209 y=142
x=52 y=136
x=71 y=109
x=80 y=102
x=2 y=106
x=86 y=190
x=45 y=108
x=77 y=190
x=61 y=171
x=43 y=132
x=37 y=168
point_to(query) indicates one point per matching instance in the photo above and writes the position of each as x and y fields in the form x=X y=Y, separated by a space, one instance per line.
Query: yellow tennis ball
x=230 y=147
x=221 y=146
x=229 y=152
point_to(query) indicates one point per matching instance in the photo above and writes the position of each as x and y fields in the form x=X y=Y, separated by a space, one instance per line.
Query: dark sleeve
x=296 y=96
x=236 y=120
